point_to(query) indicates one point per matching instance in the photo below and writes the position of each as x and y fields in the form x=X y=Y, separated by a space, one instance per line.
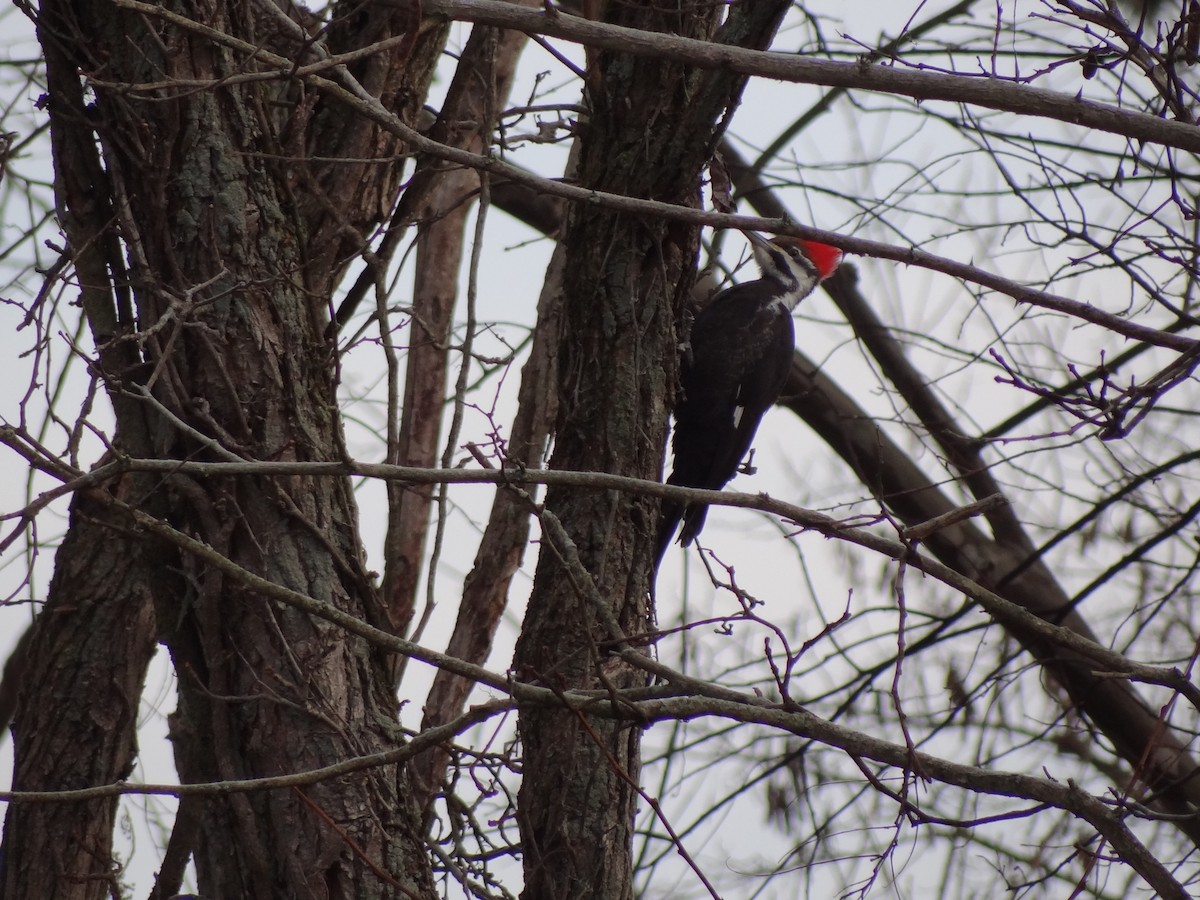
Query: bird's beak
x=760 y=247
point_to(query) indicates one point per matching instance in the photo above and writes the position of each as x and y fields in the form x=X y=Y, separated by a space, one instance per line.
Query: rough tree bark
x=86 y=662
x=237 y=213
x=653 y=126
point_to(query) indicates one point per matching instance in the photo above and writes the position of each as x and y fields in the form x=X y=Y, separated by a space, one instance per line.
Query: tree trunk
x=652 y=129
x=237 y=217
x=85 y=663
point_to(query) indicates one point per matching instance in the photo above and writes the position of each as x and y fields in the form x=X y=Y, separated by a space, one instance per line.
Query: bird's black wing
x=741 y=348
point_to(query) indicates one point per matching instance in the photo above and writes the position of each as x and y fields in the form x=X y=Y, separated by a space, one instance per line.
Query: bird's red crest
x=824 y=257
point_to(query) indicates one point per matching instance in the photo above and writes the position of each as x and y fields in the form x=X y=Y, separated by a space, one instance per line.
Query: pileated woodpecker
x=741 y=350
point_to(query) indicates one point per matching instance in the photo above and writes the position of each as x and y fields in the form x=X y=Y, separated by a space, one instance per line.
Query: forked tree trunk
x=236 y=217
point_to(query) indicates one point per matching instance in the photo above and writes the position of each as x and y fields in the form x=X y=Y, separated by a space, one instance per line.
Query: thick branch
x=987 y=91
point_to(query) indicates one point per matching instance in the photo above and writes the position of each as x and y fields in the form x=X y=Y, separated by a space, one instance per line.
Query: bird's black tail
x=692 y=515
x=693 y=521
